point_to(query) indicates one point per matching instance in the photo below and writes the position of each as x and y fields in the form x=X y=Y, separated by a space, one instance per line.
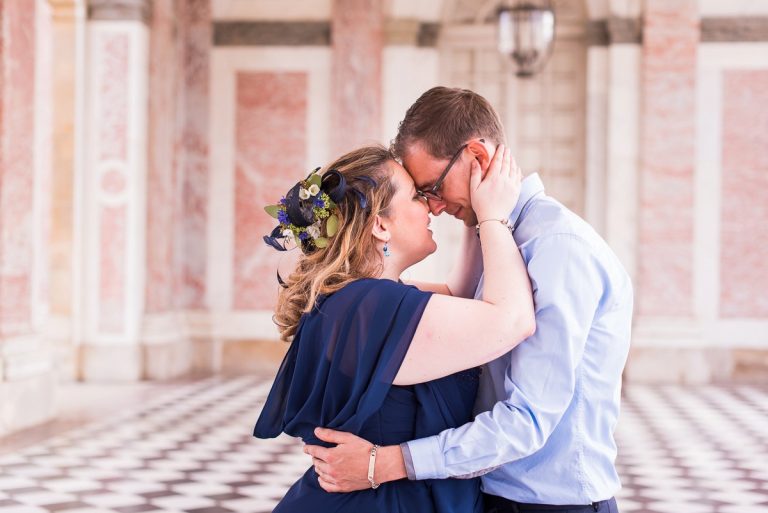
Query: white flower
x=314 y=231
x=314 y=189
x=287 y=233
x=303 y=193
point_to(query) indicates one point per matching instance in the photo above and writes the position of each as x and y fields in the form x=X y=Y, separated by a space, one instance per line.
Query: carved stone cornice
x=270 y=33
x=721 y=29
x=736 y=29
x=614 y=30
x=410 y=32
x=119 y=10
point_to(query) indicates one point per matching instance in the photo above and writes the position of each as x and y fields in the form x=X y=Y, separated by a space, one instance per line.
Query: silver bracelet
x=371 y=465
x=505 y=222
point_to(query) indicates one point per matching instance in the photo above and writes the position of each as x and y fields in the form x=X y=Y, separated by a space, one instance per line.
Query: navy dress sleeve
x=343 y=359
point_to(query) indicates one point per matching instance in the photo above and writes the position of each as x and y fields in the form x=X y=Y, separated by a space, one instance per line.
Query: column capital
x=119 y=10
x=65 y=9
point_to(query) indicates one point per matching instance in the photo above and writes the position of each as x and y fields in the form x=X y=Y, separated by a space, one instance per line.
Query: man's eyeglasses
x=431 y=193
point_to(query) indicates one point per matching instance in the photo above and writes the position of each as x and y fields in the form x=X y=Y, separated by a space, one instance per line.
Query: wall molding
x=271 y=33
x=412 y=32
x=617 y=30
x=736 y=29
x=398 y=31
x=116 y=10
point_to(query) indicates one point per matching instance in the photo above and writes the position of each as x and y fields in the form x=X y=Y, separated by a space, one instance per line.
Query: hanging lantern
x=527 y=34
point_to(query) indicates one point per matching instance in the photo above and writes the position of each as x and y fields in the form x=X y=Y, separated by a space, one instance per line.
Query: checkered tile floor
x=190 y=449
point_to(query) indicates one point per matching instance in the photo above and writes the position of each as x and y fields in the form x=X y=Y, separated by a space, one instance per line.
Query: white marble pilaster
x=114 y=192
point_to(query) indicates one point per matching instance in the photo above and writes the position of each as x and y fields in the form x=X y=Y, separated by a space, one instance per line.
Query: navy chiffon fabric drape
x=338 y=373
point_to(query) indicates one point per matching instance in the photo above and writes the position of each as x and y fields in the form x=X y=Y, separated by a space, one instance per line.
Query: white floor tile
x=182 y=502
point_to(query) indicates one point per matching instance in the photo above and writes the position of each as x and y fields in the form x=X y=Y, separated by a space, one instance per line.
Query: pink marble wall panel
x=112 y=131
x=670 y=40
x=163 y=200
x=17 y=114
x=358 y=42
x=744 y=225
x=270 y=144
x=195 y=34
x=113 y=92
x=112 y=237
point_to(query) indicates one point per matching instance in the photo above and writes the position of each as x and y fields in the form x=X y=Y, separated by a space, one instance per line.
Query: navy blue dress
x=338 y=373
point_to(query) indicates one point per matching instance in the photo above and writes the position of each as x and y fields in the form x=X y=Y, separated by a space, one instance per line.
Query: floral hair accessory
x=306 y=213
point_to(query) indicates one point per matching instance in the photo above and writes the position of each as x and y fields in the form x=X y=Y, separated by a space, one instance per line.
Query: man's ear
x=481 y=152
x=381 y=229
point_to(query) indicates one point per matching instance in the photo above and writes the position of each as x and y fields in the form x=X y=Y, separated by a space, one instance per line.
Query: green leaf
x=332 y=225
x=321 y=242
x=272 y=210
x=315 y=179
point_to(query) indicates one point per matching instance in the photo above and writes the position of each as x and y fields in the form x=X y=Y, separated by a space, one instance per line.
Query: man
x=544 y=440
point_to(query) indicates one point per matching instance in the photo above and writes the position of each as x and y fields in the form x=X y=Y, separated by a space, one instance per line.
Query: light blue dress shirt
x=550 y=406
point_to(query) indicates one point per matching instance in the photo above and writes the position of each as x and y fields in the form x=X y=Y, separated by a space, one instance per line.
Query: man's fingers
x=323 y=469
x=332 y=436
x=328 y=486
x=317 y=452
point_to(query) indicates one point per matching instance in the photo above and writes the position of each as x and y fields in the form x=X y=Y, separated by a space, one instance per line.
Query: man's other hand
x=343 y=468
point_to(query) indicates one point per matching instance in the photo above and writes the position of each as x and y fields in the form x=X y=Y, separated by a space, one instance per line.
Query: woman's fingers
x=497 y=163
x=475 y=176
x=517 y=172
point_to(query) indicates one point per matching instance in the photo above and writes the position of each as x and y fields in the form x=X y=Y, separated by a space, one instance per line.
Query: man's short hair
x=443 y=119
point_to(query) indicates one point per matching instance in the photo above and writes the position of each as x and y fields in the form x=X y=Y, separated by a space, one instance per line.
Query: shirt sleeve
x=539 y=383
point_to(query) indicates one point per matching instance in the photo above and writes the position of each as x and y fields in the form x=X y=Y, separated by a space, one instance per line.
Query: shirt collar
x=531 y=186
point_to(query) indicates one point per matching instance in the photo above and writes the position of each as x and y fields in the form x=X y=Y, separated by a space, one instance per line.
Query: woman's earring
x=386 y=249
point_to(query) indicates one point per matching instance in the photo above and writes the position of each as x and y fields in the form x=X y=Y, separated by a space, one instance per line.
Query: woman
x=371 y=355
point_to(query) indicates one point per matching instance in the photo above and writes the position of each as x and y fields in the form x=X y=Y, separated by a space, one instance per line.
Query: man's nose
x=436 y=206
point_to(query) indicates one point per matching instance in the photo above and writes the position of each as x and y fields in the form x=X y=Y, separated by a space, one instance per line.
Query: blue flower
x=319 y=202
x=283 y=201
x=303 y=235
x=282 y=216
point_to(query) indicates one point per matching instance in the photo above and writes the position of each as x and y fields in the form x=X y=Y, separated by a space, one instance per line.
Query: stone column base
x=27 y=390
x=110 y=362
x=166 y=360
x=245 y=356
x=696 y=365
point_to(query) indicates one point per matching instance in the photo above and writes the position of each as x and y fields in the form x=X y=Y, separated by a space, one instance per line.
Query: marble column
x=113 y=183
x=613 y=123
x=192 y=133
x=357 y=32
x=668 y=135
x=666 y=326
x=67 y=19
x=177 y=190
x=26 y=377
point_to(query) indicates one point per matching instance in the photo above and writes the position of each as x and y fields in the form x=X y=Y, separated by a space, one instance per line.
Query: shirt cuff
x=408 y=461
x=425 y=458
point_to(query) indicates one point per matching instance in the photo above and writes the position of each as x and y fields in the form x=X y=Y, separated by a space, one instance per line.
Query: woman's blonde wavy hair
x=351 y=253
